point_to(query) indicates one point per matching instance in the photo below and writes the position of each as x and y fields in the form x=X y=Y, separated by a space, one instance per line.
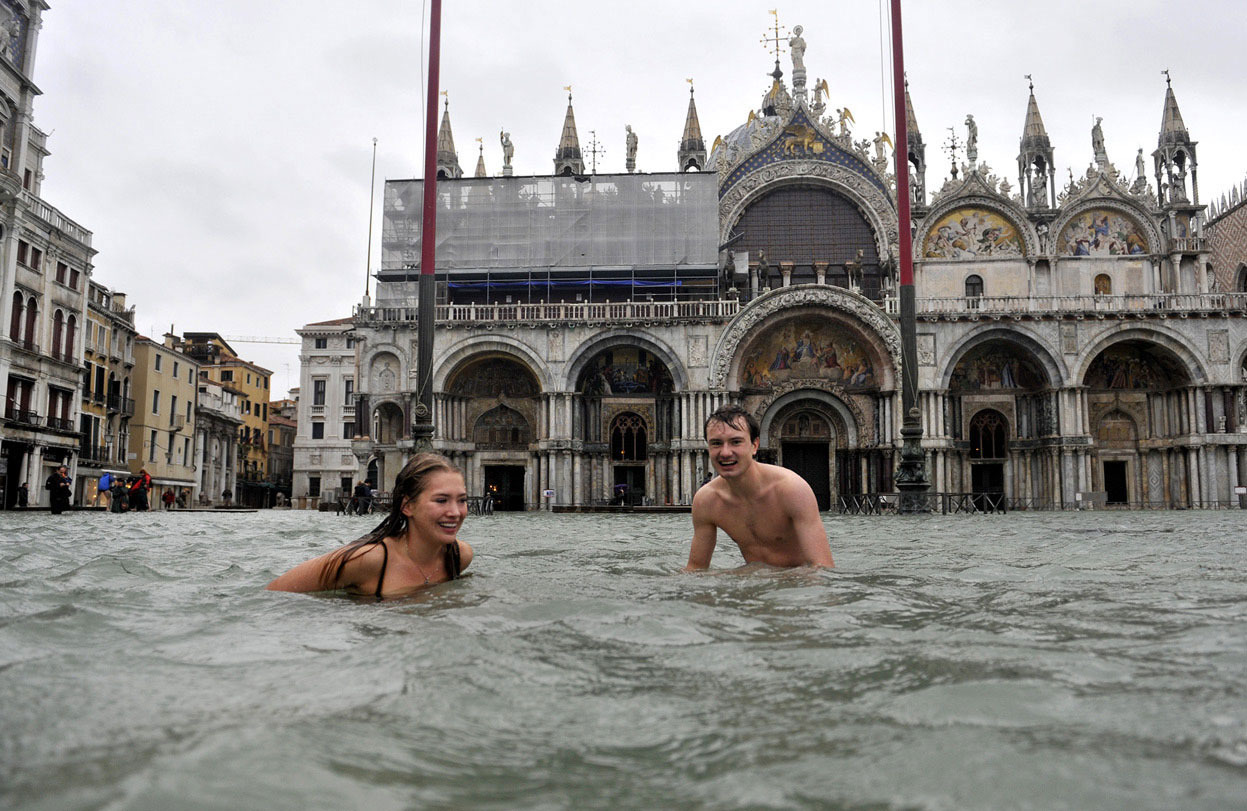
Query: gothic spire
x=567 y=159
x=692 y=154
x=1174 y=156
x=480 y=161
x=1035 y=172
x=917 y=152
x=447 y=157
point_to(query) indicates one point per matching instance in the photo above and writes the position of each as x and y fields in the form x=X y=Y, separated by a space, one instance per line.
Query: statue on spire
x=508 y=152
x=631 y=140
x=1097 y=144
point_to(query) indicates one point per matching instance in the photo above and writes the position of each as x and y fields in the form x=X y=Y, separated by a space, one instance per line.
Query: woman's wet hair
x=410 y=483
x=732 y=415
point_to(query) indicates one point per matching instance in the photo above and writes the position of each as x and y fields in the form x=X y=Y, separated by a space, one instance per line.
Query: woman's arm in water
x=361 y=566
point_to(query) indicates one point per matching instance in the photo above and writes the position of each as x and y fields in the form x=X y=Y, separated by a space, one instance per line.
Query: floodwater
x=1030 y=660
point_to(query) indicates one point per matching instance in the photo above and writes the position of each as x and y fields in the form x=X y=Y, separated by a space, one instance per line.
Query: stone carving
x=1069 y=339
x=797 y=45
x=972 y=141
x=880 y=160
x=1219 y=346
x=1097 y=144
x=631 y=139
x=926 y=349
x=863 y=426
x=697 y=350
x=762 y=308
x=853 y=269
x=508 y=152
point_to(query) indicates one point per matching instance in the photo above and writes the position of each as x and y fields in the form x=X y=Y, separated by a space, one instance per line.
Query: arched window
x=58 y=323
x=1240 y=284
x=71 y=333
x=15 y=320
x=628 y=438
x=988 y=435
x=974 y=286
x=32 y=313
x=1103 y=285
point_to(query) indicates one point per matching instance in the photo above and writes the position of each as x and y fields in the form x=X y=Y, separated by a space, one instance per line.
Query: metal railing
x=60 y=424
x=23 y=416
x=124 y=405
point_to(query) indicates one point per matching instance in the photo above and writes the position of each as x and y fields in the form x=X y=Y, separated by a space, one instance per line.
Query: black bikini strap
x=452 y=560
x=385 y=560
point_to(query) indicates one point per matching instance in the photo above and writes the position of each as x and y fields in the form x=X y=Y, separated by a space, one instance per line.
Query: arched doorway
x=1117 y=436
x=989 y=448
x=503 y=429
x=1138 y=389
x=805 y=440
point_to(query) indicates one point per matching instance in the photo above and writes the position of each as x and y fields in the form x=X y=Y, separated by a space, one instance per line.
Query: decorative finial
x=776 y=38
x=446 y=93
x=594 y=150
x=481 y=141
x=690 y=86
x=568 y=88
x=950 y=146
x=1031 y=81
x=1168 y=81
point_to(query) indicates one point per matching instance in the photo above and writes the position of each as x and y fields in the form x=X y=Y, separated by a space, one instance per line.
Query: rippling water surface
x=1083 y=661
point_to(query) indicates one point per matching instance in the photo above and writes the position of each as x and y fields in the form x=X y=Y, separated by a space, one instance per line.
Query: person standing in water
x=415 y=546
x=769 y=511
x=60 y=489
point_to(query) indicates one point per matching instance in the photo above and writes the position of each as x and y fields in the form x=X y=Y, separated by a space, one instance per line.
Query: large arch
x=589 y=351
x=883 y=334
x=463 y=351
x=1086 y=215
x=866 y=198
x=982 y=200
x=1164 y=337
x=1017 y=334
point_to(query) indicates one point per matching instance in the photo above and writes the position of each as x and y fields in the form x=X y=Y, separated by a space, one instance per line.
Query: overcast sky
x=220 y=151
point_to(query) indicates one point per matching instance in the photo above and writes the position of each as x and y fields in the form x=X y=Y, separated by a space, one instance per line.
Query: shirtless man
x=769 y=511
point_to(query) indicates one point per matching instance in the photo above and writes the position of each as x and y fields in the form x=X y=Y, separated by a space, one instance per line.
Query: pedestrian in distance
x=60 y=490
x=415 y=546
x=769 y=511
x=167 y=499
x=23 y=496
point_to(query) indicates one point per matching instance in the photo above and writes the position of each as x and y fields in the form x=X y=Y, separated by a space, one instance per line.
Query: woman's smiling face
x=438 y=510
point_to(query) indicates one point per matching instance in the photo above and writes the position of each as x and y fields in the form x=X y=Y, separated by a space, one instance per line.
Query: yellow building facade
x=162 y=431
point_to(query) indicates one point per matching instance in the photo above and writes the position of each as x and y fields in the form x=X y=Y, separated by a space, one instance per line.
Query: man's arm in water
x=807 y=523
x=705 y=533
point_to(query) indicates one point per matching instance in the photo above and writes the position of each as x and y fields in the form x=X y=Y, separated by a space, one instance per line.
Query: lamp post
x=911 y=478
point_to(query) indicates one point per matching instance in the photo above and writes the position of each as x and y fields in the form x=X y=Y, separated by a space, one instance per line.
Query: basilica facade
x=1075 y=347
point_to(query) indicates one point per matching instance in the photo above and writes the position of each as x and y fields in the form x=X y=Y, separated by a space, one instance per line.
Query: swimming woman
x=415 y=546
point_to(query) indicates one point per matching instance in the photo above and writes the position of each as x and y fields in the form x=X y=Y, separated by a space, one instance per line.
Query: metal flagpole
x=422 y=419
x=911 y=477
x=372 y=198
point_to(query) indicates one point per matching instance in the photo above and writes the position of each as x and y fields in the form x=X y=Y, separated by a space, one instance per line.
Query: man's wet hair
x=732 y=415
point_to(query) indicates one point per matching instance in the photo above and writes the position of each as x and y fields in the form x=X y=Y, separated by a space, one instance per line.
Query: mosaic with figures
x=807 y=349
x=1133 y=366
x=972 y=233
x=996 y=367
x=495 y=377
x=625 y=370
x=1102 y=232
